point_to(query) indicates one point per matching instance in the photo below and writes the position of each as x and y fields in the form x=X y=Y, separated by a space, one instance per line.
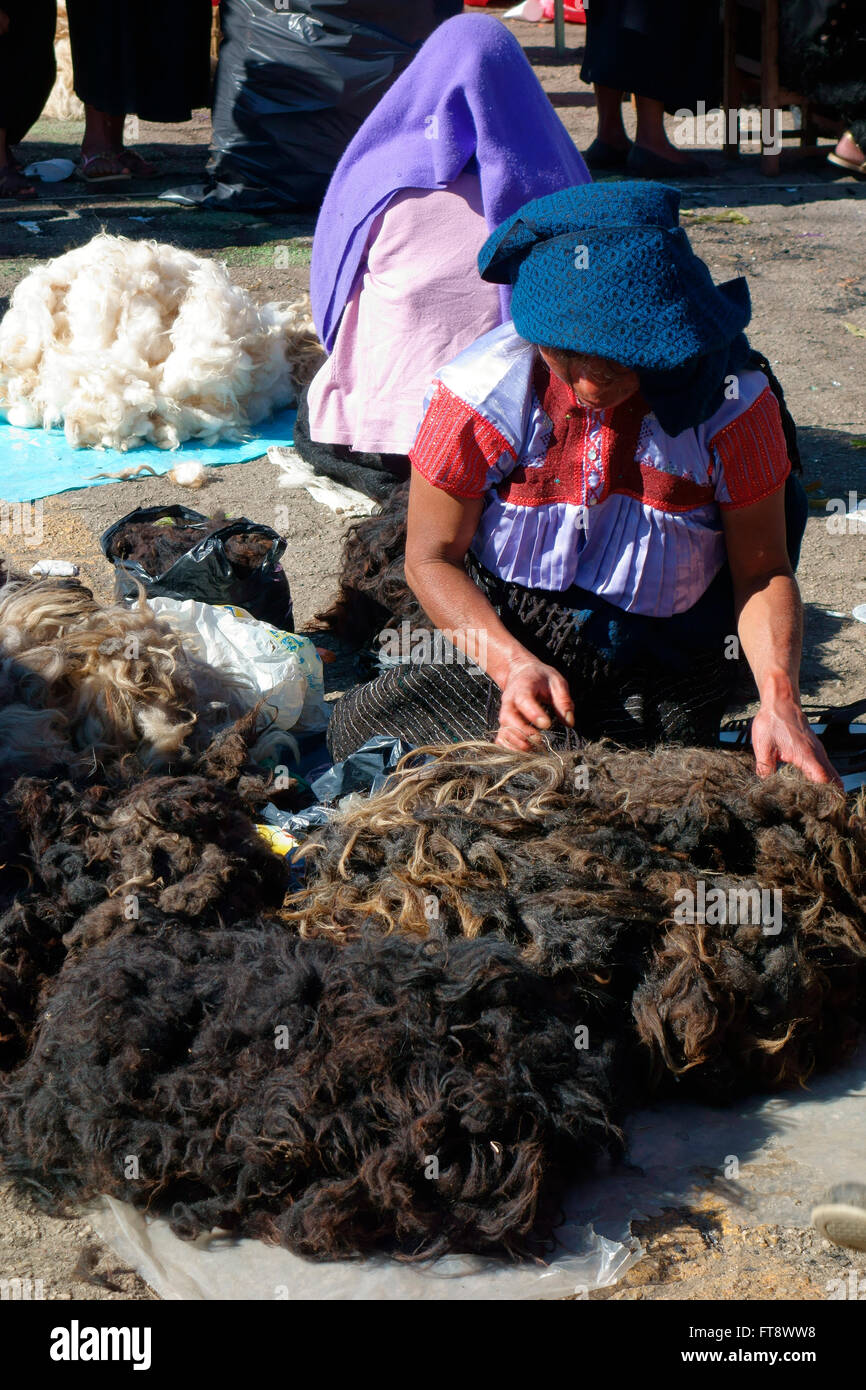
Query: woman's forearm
x=456 y=605
x=770 y=627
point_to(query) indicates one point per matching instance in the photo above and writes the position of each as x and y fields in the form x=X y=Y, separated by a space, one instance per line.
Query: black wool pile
x=495 y=957
x=373 y=592
x=85 y=861
x=391 y=1094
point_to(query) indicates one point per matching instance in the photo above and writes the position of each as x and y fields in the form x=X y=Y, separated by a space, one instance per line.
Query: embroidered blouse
x=602 y=499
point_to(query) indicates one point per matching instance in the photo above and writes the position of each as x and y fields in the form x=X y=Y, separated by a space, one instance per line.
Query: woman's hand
x=530 y=691
x=770 y=624
x=4 y=22
x=439 y=532
x=781 y=734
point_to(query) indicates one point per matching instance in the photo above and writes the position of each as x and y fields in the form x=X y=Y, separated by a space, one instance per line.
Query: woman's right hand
x=531 y=690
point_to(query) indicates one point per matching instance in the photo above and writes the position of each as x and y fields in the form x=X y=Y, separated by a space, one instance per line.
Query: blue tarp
x=38 y=463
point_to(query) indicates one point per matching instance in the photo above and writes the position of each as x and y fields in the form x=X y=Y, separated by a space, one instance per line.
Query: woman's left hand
x=781 y=734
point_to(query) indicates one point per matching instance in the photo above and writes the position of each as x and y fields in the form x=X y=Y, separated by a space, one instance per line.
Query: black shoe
x=602 y=156
x=646 y=165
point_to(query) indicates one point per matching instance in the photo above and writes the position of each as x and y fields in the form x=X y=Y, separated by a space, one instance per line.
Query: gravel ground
x=799 y=238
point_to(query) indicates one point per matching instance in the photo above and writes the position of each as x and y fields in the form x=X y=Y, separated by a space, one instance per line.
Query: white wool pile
x=130 y=342
x=63 y=104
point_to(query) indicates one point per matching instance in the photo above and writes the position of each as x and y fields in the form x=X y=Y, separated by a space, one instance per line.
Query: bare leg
x=610 y=127
x=651 y=134
x=103 y=133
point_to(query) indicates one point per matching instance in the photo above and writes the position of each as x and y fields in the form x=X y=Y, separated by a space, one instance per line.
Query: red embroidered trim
x=455 y=445
x=669 y=492
x=753 y=453
x=559 y=478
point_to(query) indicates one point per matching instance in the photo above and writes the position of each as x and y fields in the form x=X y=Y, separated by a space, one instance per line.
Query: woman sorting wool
x=462 y=139
x=597 y=510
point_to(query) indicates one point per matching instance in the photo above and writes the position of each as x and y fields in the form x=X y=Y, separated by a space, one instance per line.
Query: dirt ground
x=800 y=239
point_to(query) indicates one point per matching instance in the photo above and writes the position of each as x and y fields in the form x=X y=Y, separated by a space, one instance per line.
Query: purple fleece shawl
x=470 y=92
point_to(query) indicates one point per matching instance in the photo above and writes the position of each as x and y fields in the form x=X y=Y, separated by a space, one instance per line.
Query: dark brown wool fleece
x=577 y=859
x=392 y=1094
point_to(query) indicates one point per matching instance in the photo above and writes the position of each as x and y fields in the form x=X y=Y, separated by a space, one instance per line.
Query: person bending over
x=601 y=505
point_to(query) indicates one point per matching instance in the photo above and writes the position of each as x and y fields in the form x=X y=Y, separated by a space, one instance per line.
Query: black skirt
x=27 y=67
x=150 y=60
x=635 y=679
x=670 y=50
x=376 y=475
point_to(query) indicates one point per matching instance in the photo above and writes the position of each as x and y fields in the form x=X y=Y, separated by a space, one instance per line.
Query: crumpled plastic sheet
x=365 y=770
x=214 y=1268
x=766 y=1161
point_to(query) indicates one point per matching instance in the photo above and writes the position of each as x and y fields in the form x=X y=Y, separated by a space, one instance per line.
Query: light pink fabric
x=419 y=302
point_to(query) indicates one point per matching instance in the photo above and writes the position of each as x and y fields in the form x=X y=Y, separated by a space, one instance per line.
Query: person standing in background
x=150 y=60
x=668 y=54
x=27 y=73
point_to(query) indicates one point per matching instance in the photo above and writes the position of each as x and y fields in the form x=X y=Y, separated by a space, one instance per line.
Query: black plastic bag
x=205 y=572
x=295 y=82
x=365 y=770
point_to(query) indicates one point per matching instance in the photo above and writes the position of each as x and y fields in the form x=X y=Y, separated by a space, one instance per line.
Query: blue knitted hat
x=606 y=269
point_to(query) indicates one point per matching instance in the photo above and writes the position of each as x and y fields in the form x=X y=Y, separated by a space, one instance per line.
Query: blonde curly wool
x=131 y=342
x=82 y=679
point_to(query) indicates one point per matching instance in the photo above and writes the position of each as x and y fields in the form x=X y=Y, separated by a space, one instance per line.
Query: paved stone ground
x=799 y=238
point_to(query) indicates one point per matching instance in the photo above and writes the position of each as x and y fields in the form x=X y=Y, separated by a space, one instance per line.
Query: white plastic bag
x=281 y=667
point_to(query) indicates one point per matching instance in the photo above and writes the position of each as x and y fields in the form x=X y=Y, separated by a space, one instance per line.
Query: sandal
x=13 y=183
x=138 y=167
x=853 y=166
x=102 y=168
